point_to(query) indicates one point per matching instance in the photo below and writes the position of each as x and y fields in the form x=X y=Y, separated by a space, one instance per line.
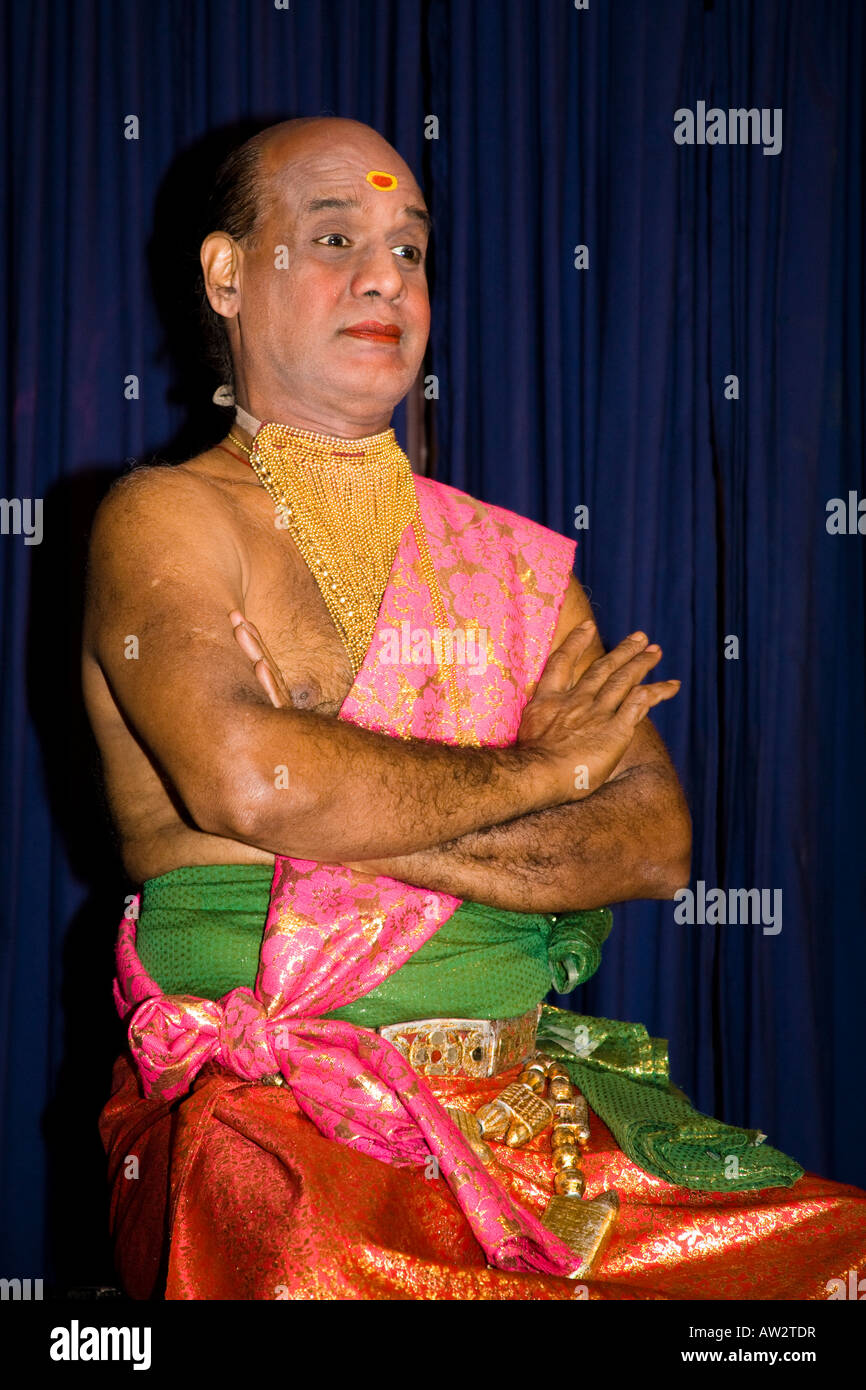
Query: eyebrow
x=318 y=204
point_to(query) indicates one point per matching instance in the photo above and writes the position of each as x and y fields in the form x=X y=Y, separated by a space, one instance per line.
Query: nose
x=379 y=273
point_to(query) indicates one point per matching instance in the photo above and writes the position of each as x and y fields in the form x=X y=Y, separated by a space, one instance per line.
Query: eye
x=331 y=238
x=416 y=257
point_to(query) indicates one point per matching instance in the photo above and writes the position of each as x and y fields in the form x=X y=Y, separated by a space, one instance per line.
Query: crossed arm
x=507 y=827
x=631 y=838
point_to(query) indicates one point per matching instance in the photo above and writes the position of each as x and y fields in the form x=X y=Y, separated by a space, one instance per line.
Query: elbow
x=228 y=806
x=246 y=805
x=672 y=865
x=241 y=792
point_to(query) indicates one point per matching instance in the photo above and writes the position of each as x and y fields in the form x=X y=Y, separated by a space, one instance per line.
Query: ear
x=221 y=261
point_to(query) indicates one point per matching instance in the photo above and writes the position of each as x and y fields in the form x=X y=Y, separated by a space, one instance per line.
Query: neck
x=346 y=417
x=248 y=426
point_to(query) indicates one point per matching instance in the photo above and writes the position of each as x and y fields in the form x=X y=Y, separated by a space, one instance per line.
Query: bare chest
x=283 y=600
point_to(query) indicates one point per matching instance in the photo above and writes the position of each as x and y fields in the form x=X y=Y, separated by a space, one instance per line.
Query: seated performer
x=378 y=781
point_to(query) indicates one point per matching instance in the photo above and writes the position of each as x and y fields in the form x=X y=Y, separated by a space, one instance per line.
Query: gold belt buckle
x=468 y=1047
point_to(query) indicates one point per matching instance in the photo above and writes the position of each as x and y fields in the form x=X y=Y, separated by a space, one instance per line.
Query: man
x=238 y=604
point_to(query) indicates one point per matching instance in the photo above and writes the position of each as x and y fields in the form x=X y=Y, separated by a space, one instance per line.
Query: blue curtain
x=601 y=387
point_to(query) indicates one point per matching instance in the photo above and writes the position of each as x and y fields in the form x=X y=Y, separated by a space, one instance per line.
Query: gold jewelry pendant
x=585 y=1227
x=516 y=1115
x=521 y=1112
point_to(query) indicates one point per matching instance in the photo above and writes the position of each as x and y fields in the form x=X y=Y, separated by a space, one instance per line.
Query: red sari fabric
x=238 y=1196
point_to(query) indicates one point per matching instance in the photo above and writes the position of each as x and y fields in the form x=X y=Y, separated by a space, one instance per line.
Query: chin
x=384 y=389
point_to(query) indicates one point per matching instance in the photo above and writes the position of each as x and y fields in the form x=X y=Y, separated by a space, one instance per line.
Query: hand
x=267 y=671
x=591 y=722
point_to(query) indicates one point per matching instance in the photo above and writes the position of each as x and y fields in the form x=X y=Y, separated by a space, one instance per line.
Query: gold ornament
x=494 y=1119
x=573 y=1112
x=534 y=1079
x=346 y=504
x=516 y=1115
x=569 y=1183
x=584 y=1226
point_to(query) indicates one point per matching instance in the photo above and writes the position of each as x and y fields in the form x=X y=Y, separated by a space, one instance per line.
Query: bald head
x=288 y=153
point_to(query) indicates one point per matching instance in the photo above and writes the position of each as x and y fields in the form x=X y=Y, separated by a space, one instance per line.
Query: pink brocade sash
x=332 y=935
x=355 y=1087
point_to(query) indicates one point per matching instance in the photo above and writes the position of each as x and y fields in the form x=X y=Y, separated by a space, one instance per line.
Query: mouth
x=375 y=332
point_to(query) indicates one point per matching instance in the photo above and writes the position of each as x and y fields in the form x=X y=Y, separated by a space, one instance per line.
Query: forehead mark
x=379 y=179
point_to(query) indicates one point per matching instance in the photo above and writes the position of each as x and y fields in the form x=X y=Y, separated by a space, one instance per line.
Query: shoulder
x=158 y=524
x=517 y=534
x=150 y=489
x=154 y=506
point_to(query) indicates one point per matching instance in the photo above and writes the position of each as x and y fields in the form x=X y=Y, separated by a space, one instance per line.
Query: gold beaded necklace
x=346 y=504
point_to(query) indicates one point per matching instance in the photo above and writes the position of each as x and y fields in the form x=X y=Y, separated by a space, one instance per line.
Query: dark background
x=557 y=387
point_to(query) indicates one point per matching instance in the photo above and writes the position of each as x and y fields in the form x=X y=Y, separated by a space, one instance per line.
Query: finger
x=241 y=624
x=604 y=666
x=618 y=685
x=271 y=685
x=637 y=705
x=253 y=646
x=248 y=642
x=558 y=669
x=252 y=642
x=267 y=672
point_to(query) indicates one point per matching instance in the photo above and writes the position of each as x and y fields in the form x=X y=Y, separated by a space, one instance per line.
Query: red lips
x=378 y=332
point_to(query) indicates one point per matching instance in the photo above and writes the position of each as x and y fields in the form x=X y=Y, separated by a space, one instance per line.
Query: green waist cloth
x=200 y=930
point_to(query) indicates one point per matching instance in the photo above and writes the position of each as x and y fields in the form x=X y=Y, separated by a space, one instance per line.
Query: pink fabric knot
x=249 y=1041
x=172 y=1036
